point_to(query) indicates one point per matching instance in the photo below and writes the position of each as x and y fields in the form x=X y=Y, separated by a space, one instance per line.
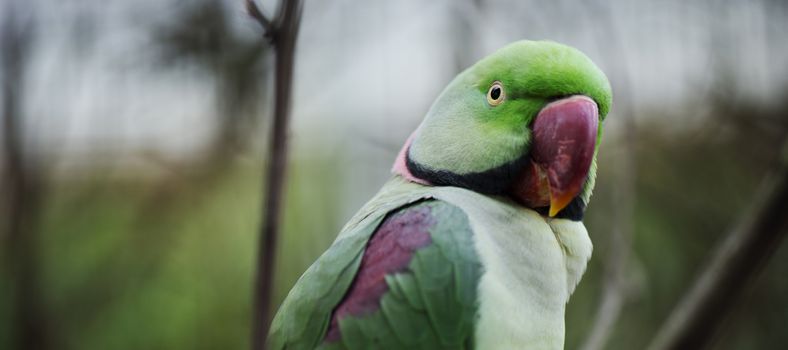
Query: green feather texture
x=462 y=133
x=303 y=317
x=440 y=283
x=431 y=305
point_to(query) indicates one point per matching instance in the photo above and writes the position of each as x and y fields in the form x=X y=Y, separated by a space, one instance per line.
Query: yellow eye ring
x=495 y=94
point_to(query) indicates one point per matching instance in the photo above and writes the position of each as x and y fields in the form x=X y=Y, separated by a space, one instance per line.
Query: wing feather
x=432 y=303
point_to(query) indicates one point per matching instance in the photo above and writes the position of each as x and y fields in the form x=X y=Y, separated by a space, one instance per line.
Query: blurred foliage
x=167 y=263
x=204 y=37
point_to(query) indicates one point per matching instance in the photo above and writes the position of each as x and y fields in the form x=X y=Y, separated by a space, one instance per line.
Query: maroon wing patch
x=388 y=251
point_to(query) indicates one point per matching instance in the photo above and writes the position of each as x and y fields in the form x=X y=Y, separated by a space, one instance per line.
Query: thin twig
x=257 y=14
x=283 y=36
x=698 y=317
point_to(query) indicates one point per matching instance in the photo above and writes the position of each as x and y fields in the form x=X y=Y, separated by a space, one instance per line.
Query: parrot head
x=524 y=122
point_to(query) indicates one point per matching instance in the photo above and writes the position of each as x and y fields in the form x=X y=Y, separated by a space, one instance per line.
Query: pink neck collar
x=400 y=167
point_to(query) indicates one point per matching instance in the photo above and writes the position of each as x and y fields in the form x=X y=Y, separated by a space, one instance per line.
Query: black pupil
x=495 y=93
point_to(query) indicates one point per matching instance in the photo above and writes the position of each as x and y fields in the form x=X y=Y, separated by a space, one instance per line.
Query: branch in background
x=258 y=15
x=21 y=187
x=699 y=315
x=282 y=34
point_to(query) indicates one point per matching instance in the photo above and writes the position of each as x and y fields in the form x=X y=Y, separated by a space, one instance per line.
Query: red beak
x=564 y=138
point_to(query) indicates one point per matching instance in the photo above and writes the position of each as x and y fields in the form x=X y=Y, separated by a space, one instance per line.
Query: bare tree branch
x=21 y=188
x=257 y=14
x=283 y=34
x=699 y=315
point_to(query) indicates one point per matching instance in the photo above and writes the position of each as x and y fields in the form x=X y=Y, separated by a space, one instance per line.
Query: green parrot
x=476 y=241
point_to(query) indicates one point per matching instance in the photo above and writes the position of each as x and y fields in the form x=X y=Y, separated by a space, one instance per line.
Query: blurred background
x=134 y=137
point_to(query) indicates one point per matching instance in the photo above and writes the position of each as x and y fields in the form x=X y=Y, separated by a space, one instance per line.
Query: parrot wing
x=403 y=280
x=427 y=302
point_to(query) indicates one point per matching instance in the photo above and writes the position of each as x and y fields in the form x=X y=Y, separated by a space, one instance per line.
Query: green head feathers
x=479 y=130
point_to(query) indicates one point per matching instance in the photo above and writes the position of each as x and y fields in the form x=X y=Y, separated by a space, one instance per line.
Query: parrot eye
x=495 y=94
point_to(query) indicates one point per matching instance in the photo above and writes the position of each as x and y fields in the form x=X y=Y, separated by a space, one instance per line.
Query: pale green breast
x=531 y=265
